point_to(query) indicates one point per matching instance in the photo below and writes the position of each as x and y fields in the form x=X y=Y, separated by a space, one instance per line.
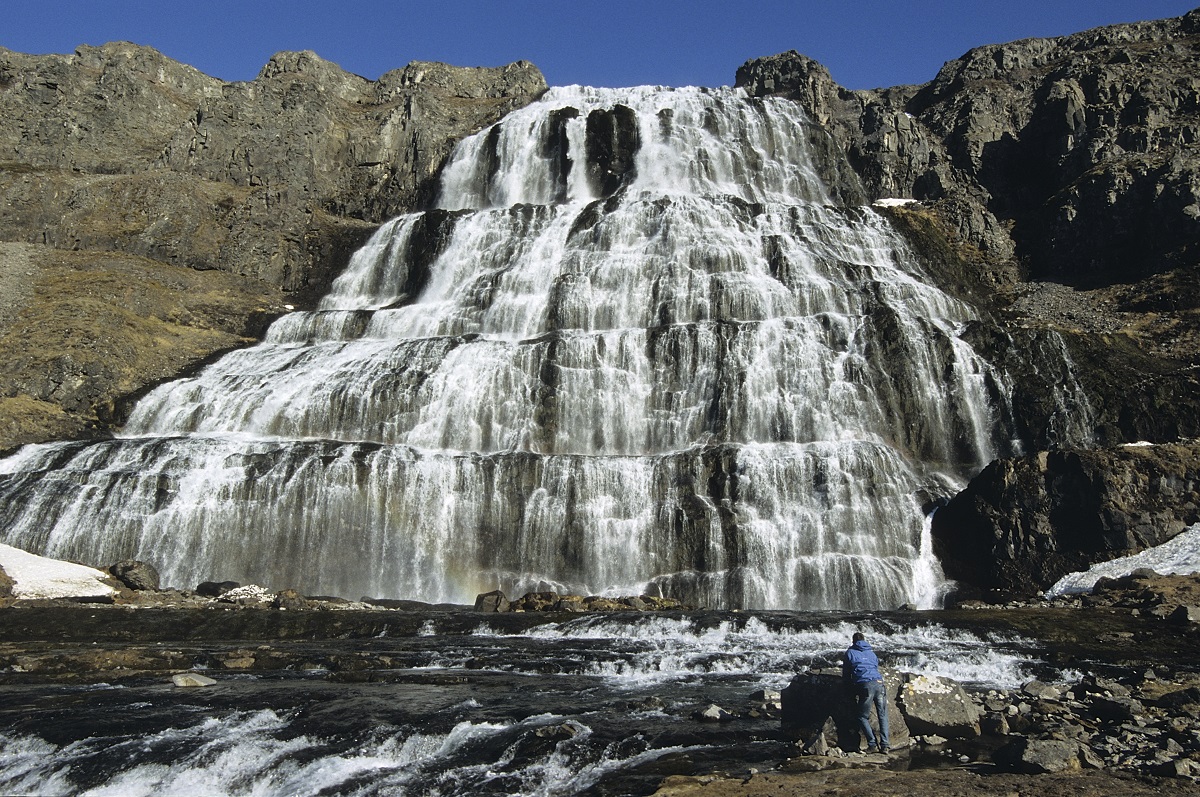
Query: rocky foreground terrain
x=1127 y=724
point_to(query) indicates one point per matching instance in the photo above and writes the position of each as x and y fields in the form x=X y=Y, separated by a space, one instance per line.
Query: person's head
x=858 y=636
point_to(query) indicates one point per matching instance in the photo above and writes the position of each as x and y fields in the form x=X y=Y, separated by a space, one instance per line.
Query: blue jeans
x=873 y=692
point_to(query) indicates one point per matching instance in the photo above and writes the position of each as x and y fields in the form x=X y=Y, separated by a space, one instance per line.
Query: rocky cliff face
x=1066 y=174
x=155 y=216
x=1022 y=524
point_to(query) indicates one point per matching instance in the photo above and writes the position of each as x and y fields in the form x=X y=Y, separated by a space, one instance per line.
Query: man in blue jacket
x=860 y=668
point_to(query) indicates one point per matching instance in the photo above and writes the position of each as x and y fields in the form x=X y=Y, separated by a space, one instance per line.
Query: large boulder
x=820 y=710
x=135 y=574
x=1025 y=522
x=491 y=602
x=935 y=705
x=1040 y=756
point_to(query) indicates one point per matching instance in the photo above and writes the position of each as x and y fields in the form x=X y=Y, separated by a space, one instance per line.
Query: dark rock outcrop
x=820 y=711
x=135 y=575
x=1024 y=523
x=169 y=215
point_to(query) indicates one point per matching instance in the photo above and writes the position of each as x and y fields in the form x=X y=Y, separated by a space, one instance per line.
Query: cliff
x=1064 y=175
x=156 y=216
x=1059 y=183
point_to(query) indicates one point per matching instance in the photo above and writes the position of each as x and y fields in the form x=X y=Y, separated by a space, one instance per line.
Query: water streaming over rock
x=635 y=348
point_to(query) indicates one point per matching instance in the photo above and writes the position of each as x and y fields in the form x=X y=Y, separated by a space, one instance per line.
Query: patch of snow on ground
x=1179 y=555
x=38 y=577
x=891 y=202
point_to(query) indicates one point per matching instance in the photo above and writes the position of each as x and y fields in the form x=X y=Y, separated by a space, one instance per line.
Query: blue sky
x=865 y=44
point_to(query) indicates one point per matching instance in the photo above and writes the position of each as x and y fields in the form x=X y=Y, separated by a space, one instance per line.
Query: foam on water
x=252 y=753
x=676 y=648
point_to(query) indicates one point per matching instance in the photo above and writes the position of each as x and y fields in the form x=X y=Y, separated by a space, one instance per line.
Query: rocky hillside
x=156 y=216
x=1066 y=174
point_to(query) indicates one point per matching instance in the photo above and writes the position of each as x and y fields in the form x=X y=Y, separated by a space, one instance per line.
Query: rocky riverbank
x=1126 y=722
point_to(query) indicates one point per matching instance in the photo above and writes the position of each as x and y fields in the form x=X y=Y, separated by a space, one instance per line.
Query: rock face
x=1049 y=163
x=155 y=216
x=1024 y=523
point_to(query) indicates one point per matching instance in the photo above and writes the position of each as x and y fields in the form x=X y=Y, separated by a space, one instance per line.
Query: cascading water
x=635 y=348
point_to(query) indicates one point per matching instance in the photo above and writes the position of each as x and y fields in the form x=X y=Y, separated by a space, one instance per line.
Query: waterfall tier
x=635 y=348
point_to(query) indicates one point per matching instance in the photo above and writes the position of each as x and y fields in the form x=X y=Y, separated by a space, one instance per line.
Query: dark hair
x=858 y=636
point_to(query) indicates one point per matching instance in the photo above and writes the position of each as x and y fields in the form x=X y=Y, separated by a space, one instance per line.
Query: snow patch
x=39 y=577
x=1179 y=555
x=892 y=202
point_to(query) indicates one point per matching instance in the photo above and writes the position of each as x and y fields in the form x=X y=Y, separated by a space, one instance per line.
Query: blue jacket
x=861 y=665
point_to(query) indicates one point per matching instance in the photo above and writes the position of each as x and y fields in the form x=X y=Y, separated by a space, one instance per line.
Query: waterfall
x=635 y=348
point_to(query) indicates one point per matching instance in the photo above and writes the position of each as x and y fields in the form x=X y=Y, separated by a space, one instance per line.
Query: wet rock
x=491 y=602
x=612 y=142
x=539 y=743
x=1039 y=756
x=1041 y=691
x=215 y=589
x=139 y=576
x=191 y=680
x=712 y=713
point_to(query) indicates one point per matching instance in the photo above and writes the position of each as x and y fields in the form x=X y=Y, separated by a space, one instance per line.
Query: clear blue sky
x=865 y=44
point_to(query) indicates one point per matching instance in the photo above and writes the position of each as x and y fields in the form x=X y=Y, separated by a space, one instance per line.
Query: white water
x=471 y=734
x=714 y=385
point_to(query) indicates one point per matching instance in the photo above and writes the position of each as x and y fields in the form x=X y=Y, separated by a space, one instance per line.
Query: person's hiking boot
x=872 y=748
x=885 y=749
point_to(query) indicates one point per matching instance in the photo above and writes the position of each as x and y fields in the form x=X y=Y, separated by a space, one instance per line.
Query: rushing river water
x=596 y=705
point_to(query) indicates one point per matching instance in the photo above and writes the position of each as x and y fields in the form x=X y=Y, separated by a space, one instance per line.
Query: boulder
x=1025 y=522
x=932 y=704
x=536 y=601
x=290 y=600
x=1115 y=708
x=138 y=576
x=820 y=704
x=491 y=602
x=215 y=589
x=712 y=713
x=1041 y=690
x=191 y=680
x=1039 y=756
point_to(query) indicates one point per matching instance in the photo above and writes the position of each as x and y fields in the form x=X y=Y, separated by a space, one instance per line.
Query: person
x=860 y=668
